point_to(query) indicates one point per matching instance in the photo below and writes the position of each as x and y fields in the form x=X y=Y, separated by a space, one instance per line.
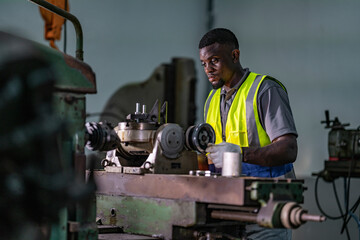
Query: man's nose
x=208 y=68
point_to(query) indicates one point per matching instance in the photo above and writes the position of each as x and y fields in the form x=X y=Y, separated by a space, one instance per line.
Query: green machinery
x=166 y=206
x=42 y=139
x=151 y=185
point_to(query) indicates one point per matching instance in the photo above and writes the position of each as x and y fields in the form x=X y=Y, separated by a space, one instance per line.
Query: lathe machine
x=152 y=186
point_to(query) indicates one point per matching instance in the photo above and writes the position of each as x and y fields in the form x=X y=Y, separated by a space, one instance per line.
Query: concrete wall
x=330 y=229
x=311 y=46
x=124 y=41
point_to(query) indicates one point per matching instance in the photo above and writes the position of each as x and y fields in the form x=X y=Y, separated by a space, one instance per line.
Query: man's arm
x=282 y=150
x=277 y=120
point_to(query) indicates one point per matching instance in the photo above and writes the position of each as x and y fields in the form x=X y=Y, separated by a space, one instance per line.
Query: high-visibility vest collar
x=244 y=107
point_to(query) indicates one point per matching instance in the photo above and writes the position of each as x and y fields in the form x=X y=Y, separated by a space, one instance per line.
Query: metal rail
x=70 y=17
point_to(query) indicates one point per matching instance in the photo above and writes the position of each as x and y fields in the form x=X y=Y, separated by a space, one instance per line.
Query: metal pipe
x=233 y=208
x=137 y=108
x=70 y=17
x=236 y=216
x=314 y=218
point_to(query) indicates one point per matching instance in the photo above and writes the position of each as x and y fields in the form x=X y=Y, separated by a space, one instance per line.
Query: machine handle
x=72 y=19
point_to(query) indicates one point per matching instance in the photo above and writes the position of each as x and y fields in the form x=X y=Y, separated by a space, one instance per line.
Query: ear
x=235 y=55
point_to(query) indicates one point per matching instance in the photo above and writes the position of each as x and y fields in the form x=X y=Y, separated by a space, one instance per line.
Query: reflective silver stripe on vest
x=207 y=105
x=253 y=136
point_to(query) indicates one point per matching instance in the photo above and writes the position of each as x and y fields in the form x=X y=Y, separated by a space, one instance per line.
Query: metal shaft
x=236 y=216
x=314 y=218
x=137 y=108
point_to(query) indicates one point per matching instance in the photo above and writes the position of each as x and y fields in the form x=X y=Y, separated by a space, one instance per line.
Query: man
x=250 y=114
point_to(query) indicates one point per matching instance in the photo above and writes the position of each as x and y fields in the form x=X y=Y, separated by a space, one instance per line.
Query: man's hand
x=216 y=152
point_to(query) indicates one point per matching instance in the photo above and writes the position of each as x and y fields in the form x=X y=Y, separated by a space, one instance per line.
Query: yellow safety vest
x=243 y=125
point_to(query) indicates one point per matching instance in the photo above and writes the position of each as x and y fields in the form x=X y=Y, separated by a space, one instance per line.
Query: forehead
x=214 y=49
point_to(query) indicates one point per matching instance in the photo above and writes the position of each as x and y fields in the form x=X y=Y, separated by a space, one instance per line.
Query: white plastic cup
x=231 y=164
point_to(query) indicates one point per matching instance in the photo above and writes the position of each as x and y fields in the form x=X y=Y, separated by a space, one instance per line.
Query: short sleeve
x=274 y=110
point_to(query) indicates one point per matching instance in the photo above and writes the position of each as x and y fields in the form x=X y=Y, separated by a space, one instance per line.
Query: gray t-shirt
x=274 y=110
x=273 y=107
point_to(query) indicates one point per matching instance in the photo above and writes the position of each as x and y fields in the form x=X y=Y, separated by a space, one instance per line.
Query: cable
x=346 y=201
x=342 y=216
x=318 y=204
x=348 y=213
x=344 y=226
x=65 y=30
x=352 y=215
x=356 y=220
x=356 y=204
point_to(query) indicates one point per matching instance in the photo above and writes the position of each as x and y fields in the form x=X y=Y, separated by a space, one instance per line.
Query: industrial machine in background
x=42 y=136
x=147 y=143
x=343 y=149
x=343 y=162
x=158 y=192
x=42 y=142
x=173 y=82
x=151 y=186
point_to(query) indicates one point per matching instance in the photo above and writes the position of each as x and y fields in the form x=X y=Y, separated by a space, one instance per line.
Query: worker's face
x=218 y=62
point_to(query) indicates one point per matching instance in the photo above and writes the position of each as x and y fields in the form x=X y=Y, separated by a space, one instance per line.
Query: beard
x=218 y=84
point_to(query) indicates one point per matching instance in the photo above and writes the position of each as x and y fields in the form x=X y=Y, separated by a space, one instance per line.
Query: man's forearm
x=281 y=151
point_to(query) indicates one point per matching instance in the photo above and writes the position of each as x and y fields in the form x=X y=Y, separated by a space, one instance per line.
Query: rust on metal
x=85 y=70
x=218 y=190
x=80 y=164
x=192 y=188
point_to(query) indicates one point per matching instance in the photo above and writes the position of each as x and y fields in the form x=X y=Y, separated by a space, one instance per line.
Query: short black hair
x=219 y=35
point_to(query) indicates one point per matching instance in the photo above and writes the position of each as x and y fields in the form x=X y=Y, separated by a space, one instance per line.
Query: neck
x=237 y=76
